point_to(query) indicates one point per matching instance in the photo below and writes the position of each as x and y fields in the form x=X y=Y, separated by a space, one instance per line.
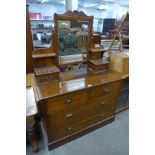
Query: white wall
x=113 y=11
x=46 y=10
x=49 y=10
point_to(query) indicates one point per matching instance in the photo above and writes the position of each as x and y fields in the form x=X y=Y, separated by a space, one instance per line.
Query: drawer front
x=99 y=106
x=98 y=68
x=105 y=106
x=94 y=56
x=64 y=118
x=47 y=77
x=66 y=101
x=104 y=89
x=43 y=62
x=102 y=67
x=74 y=128
x=71 y=129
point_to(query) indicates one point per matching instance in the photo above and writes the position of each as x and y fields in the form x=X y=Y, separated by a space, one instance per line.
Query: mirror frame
x=75 y=15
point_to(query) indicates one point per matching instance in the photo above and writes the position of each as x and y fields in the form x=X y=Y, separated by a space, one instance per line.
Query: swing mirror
x=73 y=31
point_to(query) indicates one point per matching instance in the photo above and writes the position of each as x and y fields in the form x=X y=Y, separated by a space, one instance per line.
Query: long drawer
x=77 y=127
x=66 y=101
x=102 y=105
x=104 y=89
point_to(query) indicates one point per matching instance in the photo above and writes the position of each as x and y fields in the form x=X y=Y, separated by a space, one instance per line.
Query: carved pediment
x=73 y=13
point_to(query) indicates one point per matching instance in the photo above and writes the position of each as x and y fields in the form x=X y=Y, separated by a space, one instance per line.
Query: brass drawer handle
x=69 y=100
x=106 y=90
x=69 y=128
x=69 y=115
x=103 y=103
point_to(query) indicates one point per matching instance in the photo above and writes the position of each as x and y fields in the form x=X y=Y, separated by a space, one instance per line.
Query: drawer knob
x=48 y=77
x=69 y=128
x=69 y=115
x=106 y=90
x=103 y=103
x=69 y=100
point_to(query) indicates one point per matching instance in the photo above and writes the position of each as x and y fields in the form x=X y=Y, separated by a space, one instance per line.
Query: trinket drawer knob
x=69 y=100
x=106 y=90
x=69 y=128
x=103 y=103
x=48 y=77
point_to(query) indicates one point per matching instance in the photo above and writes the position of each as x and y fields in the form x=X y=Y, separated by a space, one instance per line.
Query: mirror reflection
x=72 y=41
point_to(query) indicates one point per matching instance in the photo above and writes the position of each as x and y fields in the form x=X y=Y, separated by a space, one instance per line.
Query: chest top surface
x=55 y=88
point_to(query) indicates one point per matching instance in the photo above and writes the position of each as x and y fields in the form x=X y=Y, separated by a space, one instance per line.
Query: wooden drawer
x=43 y=62
x=64 y=118
x=66 y=101
x=108 y=88
x=98 y=68
x=47 y=77
x=77 y=127
x=83 y=112
x=97 y=55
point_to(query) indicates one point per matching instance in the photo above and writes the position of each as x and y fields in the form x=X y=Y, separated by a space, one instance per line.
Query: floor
x=112 y=139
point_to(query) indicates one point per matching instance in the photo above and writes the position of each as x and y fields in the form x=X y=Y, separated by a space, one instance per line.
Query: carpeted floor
x=112 y=139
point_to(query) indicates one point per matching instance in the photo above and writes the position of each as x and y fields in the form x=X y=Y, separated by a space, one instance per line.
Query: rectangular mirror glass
x=72 y=41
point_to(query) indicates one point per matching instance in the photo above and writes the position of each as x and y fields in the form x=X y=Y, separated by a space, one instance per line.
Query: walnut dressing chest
x=73 y=102
x=74 y=107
